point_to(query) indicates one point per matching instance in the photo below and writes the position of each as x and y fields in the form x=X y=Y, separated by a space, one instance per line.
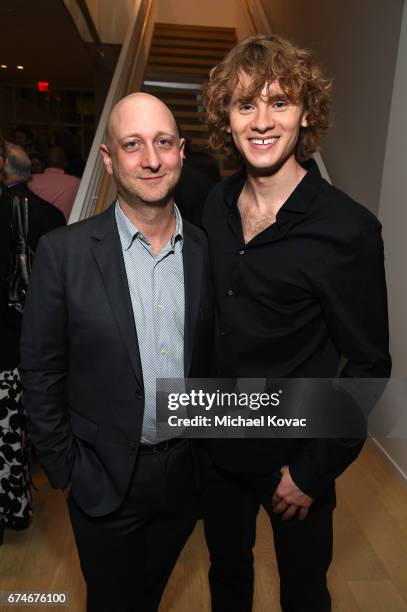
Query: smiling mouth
x=264 y=141
x=151 y=178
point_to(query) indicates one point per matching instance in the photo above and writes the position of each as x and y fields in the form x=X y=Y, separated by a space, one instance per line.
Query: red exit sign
x=43 y=86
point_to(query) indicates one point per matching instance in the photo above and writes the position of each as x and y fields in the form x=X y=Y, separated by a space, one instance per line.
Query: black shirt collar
x=297 y=202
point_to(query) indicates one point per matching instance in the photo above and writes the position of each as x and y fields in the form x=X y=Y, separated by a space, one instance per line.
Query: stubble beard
x=136 y=199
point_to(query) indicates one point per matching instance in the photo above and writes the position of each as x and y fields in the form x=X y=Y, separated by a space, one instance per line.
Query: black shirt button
x=131 y=444
x=139 y=395
x=223 y=333
x=231 y=292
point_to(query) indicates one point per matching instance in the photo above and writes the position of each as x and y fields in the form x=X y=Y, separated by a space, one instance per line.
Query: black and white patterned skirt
x=15 y=494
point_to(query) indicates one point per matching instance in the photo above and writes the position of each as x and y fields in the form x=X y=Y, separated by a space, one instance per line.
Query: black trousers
x=303 y=548
x=127 y=557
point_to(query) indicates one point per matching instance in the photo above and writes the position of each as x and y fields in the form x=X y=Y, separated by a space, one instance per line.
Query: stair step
x=199 y=141
x=193 y=127
x=160 y=79
x=188 y=52
x=195 y=34
x=179 y=102
x=185 y=61
x=187 y=69
x=171 y=91
x=176 y=26
x=210 y=45
x=179 y=80
x=199 y=115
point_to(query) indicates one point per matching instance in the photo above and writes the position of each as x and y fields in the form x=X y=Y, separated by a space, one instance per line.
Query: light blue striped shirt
x=156 y=285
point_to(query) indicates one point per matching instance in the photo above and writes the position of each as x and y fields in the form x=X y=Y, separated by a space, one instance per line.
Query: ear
x=304 y=120
x=182 y=142
x=107 y=158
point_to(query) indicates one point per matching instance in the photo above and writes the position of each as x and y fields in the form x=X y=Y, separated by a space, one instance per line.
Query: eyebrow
x=157 y=135
x=248 y=99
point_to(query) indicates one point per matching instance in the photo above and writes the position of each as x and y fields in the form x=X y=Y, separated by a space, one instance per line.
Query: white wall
x=219 y=13
x=357 y=42
x=393 y=216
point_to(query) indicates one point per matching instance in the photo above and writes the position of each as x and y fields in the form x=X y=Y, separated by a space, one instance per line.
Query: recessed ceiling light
x=19 y=67
x=3 y=66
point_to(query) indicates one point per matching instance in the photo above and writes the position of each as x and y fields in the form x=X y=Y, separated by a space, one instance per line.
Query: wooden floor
x=369 y=571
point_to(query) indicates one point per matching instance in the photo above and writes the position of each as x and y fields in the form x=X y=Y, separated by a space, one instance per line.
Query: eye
x=164 y=142
x=246 y=108
x=132 y=145
x=280 y=104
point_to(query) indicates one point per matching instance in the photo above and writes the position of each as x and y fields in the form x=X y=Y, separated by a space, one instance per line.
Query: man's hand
x=288 y=498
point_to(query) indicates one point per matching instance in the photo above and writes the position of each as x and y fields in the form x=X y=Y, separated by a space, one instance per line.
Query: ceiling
x=41 y=36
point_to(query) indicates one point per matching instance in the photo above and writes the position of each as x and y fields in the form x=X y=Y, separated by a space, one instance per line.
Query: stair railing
x=97 y=189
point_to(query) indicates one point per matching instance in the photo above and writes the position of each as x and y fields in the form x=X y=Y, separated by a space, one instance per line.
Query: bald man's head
x=143 y=150
x=137 y=102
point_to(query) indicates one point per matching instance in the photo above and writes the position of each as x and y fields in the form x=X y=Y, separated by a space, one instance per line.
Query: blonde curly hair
x=266 y=59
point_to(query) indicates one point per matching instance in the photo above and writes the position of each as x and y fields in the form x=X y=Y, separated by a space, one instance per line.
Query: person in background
x=71 y=146
x=298 y=268
x=16 y=178
x=199 y=174
x=15 y=496
x=54 y=185
x=37 y=163
x=23 y=137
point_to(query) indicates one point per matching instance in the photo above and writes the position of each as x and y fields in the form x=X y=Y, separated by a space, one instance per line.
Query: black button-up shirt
x=303 y=292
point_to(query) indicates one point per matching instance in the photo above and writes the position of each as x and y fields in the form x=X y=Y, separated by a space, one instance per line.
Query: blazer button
x=131 y=444
x=139 y=395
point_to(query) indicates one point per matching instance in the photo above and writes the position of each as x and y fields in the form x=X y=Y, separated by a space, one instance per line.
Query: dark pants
x=303 y=548
x=127 y=556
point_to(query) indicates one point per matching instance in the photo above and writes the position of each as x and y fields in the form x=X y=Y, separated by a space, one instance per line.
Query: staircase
x=180 y=59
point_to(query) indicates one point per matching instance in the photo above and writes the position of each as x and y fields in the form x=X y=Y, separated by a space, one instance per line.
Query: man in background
x=54 y=184
x=17 y=176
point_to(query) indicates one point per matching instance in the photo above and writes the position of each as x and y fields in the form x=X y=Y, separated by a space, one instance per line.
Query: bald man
x=115 y=302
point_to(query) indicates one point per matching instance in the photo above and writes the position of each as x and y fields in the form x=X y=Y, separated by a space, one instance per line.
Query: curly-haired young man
x=299 y=276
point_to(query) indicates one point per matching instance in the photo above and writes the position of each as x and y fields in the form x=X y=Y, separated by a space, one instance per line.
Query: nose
x=150 y=158
x=263 y=119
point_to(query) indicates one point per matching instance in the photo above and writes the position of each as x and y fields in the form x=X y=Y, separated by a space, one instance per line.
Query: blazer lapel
x=192 y=259
x=108 y=254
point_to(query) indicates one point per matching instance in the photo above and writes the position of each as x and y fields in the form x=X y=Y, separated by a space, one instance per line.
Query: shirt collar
x=129 y=232
x=299 y=199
